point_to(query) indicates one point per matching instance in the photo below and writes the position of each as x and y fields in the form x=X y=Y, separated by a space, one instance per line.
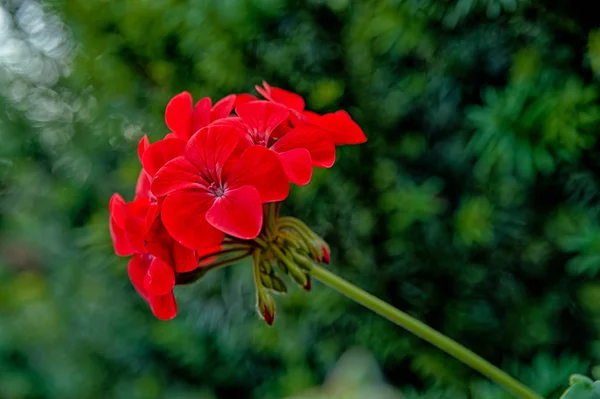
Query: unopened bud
x=281 y=265
x=278 y=284
x=265 y=307
x=308 y=285
x=299 y=276
x=326 y=254
x=302 y=261
x=266 y=280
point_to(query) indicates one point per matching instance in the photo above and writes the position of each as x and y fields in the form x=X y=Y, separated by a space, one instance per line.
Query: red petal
x=342 y=128
x=210 y=148
x=315 y=140
x=223 y=108
x=138 y=208
x=142 y=146
x=137 y=268
x=164 y=307
x=161 y=152
x=262 y=116
x=184 y=259
x=237 y=213
x=178 y=114
x=142 y=188
x=279 y=132
x=135 y=228
x=287 y=98
x=160 y=244
x=183 y=214
x=177 y=174
x=310 y=116
x=244 y=98
x=153 y=212
x=118 y=210
x=120 y=242
x=261 y=168
x=297 y=165
x=160 y=278
x=244 y=139
x=201 y=115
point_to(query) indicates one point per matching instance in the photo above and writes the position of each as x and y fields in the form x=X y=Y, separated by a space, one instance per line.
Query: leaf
x=582 y=387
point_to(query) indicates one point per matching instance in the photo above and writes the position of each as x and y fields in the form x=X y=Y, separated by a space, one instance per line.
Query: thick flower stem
x=425 y=332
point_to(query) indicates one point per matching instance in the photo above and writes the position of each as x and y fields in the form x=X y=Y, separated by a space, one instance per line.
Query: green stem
x=422 y=330
x=228 y=261
x=224 y=252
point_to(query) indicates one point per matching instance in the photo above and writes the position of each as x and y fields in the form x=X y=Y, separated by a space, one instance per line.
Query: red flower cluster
x=210 y=176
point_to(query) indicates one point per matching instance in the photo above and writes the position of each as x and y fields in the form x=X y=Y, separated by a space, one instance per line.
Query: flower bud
x=326 y=254
x=307 y=287
x=265 y=307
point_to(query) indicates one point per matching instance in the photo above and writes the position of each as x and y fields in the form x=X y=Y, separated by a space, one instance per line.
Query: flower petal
x=143 y=144
x=164 y=307
x=244 y=98
x=178 y=114
x=287 y=98
x=262 y=116
x=135 y=228
x=184 y=216
x=244 y=139
x=237 y=213
x=209 y=149
x=137 y=268
x=160 y=278
x=260 y=168
x=297 y=165
x=138 y=208
x=177 y=174
x=342 y=128
x=318 y=143
x=223 y=108
x=200 y=115
x=160 y=244
x=153 y=212
x=118 y=210
x=161 y=152
x=120 y=242
x=142 y=187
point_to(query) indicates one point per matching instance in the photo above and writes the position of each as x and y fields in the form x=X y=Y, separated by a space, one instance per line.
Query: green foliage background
x=473 y=206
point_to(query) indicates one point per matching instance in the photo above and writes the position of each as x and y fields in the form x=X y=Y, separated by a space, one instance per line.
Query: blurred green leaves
x=474 y=221
x=532 y=125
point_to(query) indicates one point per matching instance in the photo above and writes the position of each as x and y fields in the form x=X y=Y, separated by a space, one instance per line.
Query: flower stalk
x=423 y=331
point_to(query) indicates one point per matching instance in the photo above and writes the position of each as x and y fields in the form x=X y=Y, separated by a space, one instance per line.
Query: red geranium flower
x=205 y=183
x=298 y=148
x=210 y=194
x=184 y=118
x=153 y=279
x=339 y=125
x=275 y=94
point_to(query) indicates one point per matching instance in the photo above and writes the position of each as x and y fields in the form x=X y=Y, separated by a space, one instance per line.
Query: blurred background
x=474 y=206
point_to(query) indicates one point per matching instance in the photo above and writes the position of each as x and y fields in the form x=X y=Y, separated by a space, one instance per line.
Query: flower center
x=258 y=137
x=216 y=190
